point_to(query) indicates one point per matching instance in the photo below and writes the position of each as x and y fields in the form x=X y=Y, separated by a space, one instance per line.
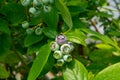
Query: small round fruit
x=65 y=48
x=25 y=2
x=37 y=2
x=67 y=58
x=46 y=8
x=71 y=45
x=38 y=31
x=45 y=1
x=25 y=24
x=32 y=10
x=60 y=62
x=57 y=54
x=54 y=46
x=51 y=1
x=60 y=39
x=29 y=31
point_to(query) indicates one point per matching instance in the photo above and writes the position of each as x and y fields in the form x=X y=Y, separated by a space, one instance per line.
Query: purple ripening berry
x=61 y=39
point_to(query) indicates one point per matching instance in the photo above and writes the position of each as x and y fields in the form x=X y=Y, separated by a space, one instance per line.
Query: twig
x=94 y=25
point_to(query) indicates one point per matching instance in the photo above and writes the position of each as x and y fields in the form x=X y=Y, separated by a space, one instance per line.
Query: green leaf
x=4 y=27
x=3 y=73
x=39 y=62
x=75 y=71
x=110 y=73
x=76 y=36
x=51 y=18
x=104 y=38
x=15 y=13
x=32 y=39
x=4 y=44
x=48 y=66
x=64 y=12
x=51 y=33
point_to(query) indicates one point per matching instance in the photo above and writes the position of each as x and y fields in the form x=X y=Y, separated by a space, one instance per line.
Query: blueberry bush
x=70 y=39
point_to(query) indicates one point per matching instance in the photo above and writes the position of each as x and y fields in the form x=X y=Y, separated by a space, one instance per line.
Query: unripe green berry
x=32 y=10
x=46 y=8
x=25 y=2
x=67 y=58
x=25 y=24
x=65 y=48
x=37 y=2
x=45 y=1
x=38 y=31
x=60 y=62
x=54 y=46
x=57 y=54
x=71 y=46
x=29 y=31
x=51 y=1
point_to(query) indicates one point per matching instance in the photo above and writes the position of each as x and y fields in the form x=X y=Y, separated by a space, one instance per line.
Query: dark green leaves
x=15 y=13
x=51 y=18
x=4 y=27
x=110 y=73
x=64 y=12
x=32 y=39
x=75 y=71
x=39 y=62
x=4 y=44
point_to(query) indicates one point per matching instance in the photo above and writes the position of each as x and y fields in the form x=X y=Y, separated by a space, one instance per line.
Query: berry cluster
x=35 y=10
x=37 y=5
x=61 y=50
x=37 y=29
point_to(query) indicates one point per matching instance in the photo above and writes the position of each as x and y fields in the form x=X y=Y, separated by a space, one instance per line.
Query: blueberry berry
x=29 y=31
x=60 y=39
x=38 y=31
x=45 y=1
x=25 y=24
x=54 y=46
x=25 y=2
x=37 y=2
x=32 y=10
x=60 y=62
x=67 y=58
x=65 y=48
x=57 y=54
x=46 y=8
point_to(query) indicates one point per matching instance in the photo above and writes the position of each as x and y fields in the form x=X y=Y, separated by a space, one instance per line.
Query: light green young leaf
x=3 y=73
x=75 y=71
x=110 y=73
x=76 y=36
x=64 y=12
x=39 y=62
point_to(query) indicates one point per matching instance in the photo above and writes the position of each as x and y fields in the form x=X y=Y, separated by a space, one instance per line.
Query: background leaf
x=32 y=39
